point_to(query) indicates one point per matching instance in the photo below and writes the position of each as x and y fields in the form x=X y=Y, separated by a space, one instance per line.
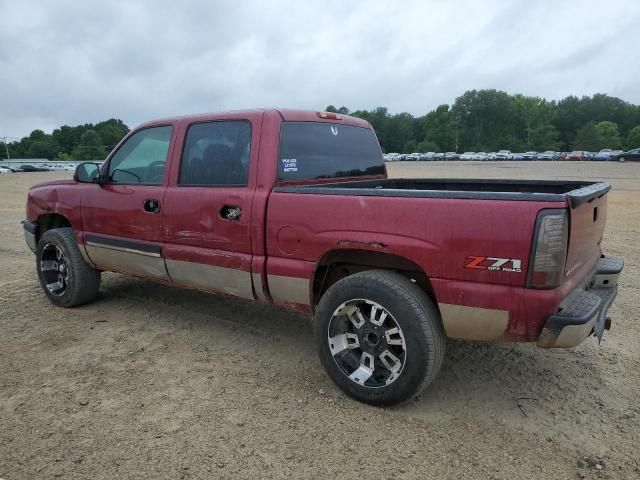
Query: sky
x=83 y=61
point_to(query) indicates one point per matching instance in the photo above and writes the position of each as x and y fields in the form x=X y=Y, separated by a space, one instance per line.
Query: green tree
x=111 y=132
x=3 y=151
x=487 y=117
x=410 y=147
x=91 y=147
x=331 y=108
x=588 y=138
x=41 y=145
x=543 y=137
x=68 y=137
x=427 y=146
x=440 y=129
x=633 y=139
x=609 y=135
x=399 y=131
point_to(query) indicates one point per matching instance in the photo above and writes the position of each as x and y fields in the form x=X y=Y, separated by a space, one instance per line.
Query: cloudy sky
x=84 y=61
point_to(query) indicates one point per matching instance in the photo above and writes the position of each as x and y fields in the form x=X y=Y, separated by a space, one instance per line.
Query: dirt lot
x=151 y=382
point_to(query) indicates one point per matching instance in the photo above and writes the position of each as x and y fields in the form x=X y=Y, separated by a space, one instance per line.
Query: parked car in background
x=603 y=154
x=5 y=170
x=614 y=154
x=29 y=168
x=530 y=155
x=451 y=156
x=423 y=157
x=503 y=155
x=481 y=156
x=438 y=156
x=548 y=155
x=468 y=156
x=629 y=155
x=577 y=155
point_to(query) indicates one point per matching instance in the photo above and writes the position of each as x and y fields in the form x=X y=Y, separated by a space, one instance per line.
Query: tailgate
x=587 y=217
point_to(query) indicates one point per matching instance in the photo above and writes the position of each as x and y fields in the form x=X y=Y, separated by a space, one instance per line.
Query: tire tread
x=86 y=278
x=417 y=300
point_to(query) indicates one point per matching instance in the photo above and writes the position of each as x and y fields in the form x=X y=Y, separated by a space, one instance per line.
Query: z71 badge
x=494 y=263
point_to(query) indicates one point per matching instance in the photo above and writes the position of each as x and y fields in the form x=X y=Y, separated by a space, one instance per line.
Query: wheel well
x=338 y=264
x=48 y=221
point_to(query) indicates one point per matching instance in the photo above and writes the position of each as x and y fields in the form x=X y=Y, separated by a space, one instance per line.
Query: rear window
x=314 y=150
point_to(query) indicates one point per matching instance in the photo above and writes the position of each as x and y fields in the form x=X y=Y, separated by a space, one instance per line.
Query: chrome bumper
x=584 y=311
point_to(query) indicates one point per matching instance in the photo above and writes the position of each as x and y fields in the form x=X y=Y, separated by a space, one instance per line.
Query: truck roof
x=287 y=114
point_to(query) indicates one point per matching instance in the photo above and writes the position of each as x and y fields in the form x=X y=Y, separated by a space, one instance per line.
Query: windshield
x=313 y=150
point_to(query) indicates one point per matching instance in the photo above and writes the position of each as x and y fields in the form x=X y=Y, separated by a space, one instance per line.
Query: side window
x=216 y=153
x=142 y=158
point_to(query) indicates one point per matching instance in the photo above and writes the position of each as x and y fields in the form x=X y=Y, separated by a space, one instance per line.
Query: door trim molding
x=123 y=245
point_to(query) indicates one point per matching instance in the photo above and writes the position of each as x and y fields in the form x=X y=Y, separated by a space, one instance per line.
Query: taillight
x=546 y=266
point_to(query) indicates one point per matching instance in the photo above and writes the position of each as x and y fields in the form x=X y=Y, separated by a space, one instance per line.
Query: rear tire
x=379 y=336
x=65 y=277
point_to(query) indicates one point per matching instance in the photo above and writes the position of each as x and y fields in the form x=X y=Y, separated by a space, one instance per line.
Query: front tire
x=379 y=336
x=65 y=277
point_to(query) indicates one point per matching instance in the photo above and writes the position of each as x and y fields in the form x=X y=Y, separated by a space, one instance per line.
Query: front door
x=207 y=208
x=123 y=218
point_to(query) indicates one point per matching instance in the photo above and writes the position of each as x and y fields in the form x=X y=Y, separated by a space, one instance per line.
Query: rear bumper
x=585 y=310
x=30 y=229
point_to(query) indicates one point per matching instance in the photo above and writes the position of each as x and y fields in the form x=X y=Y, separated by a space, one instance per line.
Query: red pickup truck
x=294 y=208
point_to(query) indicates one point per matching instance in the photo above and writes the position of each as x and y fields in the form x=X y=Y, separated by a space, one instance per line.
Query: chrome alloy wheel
x=367 y=343
x=54 y=269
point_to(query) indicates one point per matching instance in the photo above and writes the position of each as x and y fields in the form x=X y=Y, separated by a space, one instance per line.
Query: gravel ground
x=153 y=382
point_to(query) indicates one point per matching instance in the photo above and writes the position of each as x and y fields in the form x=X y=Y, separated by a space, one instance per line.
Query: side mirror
x=87 y=172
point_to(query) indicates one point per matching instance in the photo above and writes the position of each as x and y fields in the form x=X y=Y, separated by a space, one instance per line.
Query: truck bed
x=485 y=189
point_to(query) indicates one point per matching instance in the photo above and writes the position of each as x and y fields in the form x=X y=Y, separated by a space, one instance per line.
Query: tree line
x=490 y=120
x=478 y=120
x=82 y=142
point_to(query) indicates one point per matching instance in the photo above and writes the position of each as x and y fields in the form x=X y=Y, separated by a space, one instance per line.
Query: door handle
x=152 y=206
x=231 y=212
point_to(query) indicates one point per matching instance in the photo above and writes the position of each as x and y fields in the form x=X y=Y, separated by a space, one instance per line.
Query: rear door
x=123 y=218
x=207 y=207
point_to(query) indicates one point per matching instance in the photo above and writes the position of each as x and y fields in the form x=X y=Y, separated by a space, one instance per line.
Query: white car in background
x=468 y=156
x=5 y=170
x=503 y=155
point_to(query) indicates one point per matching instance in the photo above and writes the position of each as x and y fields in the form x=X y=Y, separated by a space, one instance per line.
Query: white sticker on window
x=289 y=164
